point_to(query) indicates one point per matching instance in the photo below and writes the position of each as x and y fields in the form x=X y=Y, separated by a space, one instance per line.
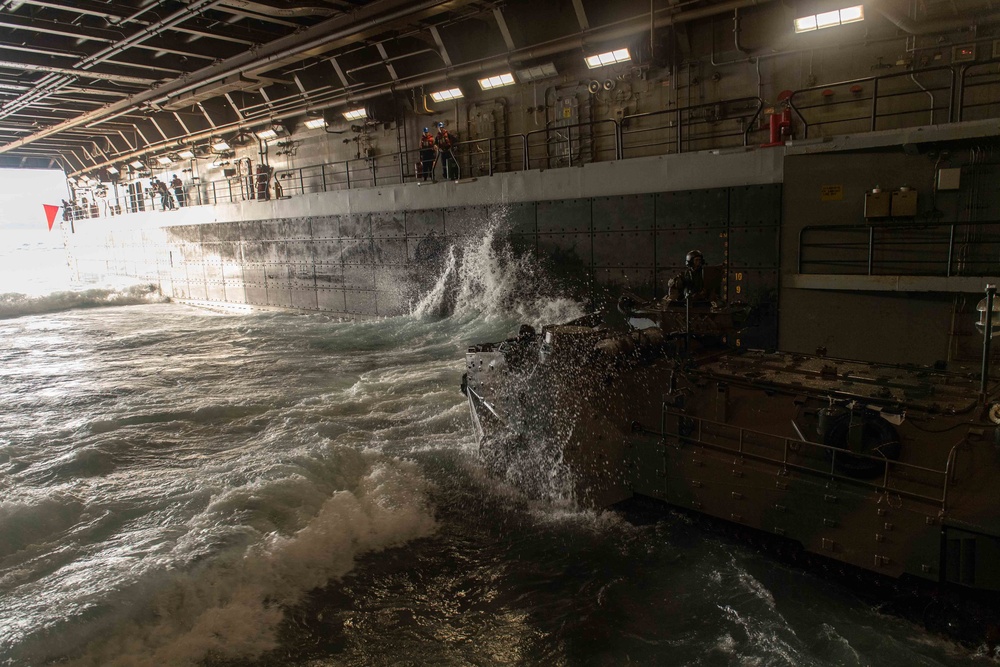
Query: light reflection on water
x=180 y=488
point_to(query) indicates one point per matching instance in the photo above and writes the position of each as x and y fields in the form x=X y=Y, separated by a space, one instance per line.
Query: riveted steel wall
x=379 y=264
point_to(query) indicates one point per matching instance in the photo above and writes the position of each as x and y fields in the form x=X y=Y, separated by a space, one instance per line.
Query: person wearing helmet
x=692 y=285
x=694 y=276
x=445 y=142
x=427 y=150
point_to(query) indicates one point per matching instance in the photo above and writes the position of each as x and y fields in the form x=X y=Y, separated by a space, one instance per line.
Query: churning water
x=186 y=488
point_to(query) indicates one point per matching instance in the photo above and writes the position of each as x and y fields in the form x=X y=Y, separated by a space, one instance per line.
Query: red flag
x=50 y=213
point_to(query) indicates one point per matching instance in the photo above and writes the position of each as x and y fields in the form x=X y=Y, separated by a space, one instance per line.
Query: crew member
x=445 y=142
x=154 y=190
x=692 y=285
x=178 y=187
x=165 y=201
x=426 y=155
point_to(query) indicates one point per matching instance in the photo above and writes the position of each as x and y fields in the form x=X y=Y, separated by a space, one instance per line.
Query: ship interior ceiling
x=815 y=147
x=88 y=85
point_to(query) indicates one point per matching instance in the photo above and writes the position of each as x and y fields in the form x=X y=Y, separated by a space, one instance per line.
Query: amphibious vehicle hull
x=892 y=469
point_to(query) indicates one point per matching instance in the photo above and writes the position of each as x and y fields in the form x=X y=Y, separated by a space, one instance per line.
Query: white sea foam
x=16 y=304
x=229 y=607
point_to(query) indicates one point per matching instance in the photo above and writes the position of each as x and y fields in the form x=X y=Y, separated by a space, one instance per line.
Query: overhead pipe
x=736 y=34
x=913 y=27
x=39 y=92
x=553 y=47
x=269 y=55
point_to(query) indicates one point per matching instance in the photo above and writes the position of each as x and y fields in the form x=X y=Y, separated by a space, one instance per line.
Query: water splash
x=16 y=304
x=484 y=276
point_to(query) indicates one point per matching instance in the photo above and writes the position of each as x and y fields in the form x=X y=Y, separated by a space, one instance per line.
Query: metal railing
x=900 y=99
x=979 y=83
x=858 y=105
x=897 y=248
x=903 y=479
x=568 y=145
x=950 y=93
x=690 y=128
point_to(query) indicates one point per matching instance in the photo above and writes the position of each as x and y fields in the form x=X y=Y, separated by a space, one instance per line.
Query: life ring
x=879 y=444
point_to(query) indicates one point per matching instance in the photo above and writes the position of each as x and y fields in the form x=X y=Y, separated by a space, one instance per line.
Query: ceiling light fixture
x=608 y=58
x=445 y=95
x=163 y=159
x=186 y=154
x=536 y=73
x=315 y=123
x=269 y=133
x=137 y=164
x=830 y=19
x=356 y=114
x=497 y=81
x=220 y=145
x=112 y=169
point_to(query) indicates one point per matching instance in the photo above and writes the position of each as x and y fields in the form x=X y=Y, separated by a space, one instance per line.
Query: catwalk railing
x=720 y=125
x=942 y=249
x=723 y=124
x=911 y=98
x=924 y=96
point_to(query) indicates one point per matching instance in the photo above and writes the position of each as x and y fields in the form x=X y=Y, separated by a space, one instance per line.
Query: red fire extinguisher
x=780 y=127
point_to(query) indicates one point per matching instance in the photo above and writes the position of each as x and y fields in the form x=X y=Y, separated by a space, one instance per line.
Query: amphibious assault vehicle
x=893 y=469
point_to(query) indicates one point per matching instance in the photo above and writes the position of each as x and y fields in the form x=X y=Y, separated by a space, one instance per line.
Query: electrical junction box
x=877 y=204
x=964 y=53
x=904 y=203
x=949 y=179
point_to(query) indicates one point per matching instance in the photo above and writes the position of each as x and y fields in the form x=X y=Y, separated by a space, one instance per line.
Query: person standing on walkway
x=165 y=200
x=427 y=149
x=178 y=187
x=445 y=144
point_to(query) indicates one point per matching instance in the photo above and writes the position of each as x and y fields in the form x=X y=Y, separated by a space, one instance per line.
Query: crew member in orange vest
x=426 y=155
x=445 y=143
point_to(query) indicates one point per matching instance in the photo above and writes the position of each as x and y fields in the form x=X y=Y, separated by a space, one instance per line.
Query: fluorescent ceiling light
x=805 y=24
x=220 y=146
x=315 y=123
x=269 y=133
x=852 y=14
x=535 y=73
x=830 y=19
x=497 y=81
x=356 y=114
x=609 y=58
x=112 y=169
x=445 y=95
x=137 y=164
x=187 y=155
x=163 y=159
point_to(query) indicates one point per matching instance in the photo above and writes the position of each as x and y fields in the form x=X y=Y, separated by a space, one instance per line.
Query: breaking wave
x=15 y=304
x=230 y=605
x=484 y=276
